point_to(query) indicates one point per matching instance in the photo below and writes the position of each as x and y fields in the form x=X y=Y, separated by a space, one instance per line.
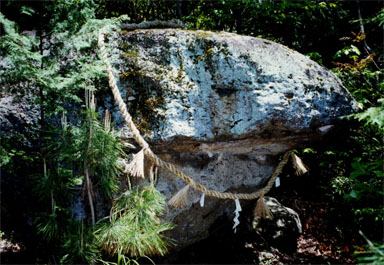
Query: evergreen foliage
x=135 y=228
x=79 y=245
x=86 y=158
x=78 y=158
x=21 y=51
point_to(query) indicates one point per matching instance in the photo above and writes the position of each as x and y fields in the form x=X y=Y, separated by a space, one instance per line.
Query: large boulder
x=222 y=107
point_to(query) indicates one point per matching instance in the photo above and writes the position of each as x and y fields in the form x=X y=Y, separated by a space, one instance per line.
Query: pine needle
x=262 y=210
x=298 y=164
x=135 y=228
x=136 y=166
x=180 y=199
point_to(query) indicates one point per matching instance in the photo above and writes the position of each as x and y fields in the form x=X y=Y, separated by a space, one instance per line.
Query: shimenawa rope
x=158 y=161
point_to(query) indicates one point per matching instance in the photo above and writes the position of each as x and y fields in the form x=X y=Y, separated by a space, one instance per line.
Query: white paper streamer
x=238 y=206
x=277 y=182
x=237 y=214
x=202 y=200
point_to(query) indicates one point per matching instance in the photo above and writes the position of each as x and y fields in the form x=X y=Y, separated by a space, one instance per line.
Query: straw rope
x=158 y=161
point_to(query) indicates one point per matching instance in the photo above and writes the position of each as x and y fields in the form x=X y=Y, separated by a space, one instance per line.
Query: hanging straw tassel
x=262 y=210
x=299 y=165
x=180 y=199
x=136 y=167
x=107 y=121
x=152 y=174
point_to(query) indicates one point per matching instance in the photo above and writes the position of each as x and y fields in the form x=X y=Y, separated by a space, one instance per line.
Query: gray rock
x=283 y=230
x=206 y=86
x=18 y=115
x=221 y=107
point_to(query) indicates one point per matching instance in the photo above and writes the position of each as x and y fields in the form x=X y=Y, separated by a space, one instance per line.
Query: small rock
x=283 y=230
x=266 y=257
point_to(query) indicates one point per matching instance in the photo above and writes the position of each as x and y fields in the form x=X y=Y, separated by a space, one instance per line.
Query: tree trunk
x=362 y=30
x=41 y=95
x=89 y=193
x=179 y=13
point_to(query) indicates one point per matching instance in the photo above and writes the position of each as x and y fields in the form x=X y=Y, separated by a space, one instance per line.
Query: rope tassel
x=180 y=199
x=107 y=121
x=262 y=210
x=136 y=167
x=298 y=164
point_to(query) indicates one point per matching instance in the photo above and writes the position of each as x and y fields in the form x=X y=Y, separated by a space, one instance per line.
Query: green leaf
x=350 y=50
x=309 y=151
x=78 y=181
x=4 y=160
x=373 y=115
x=353 y=194
x=27 y=10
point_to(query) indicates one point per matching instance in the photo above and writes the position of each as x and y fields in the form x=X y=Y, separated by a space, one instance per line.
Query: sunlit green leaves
x=27 y=10
x=350 y=51
x=22 y=59
x=373 y=115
